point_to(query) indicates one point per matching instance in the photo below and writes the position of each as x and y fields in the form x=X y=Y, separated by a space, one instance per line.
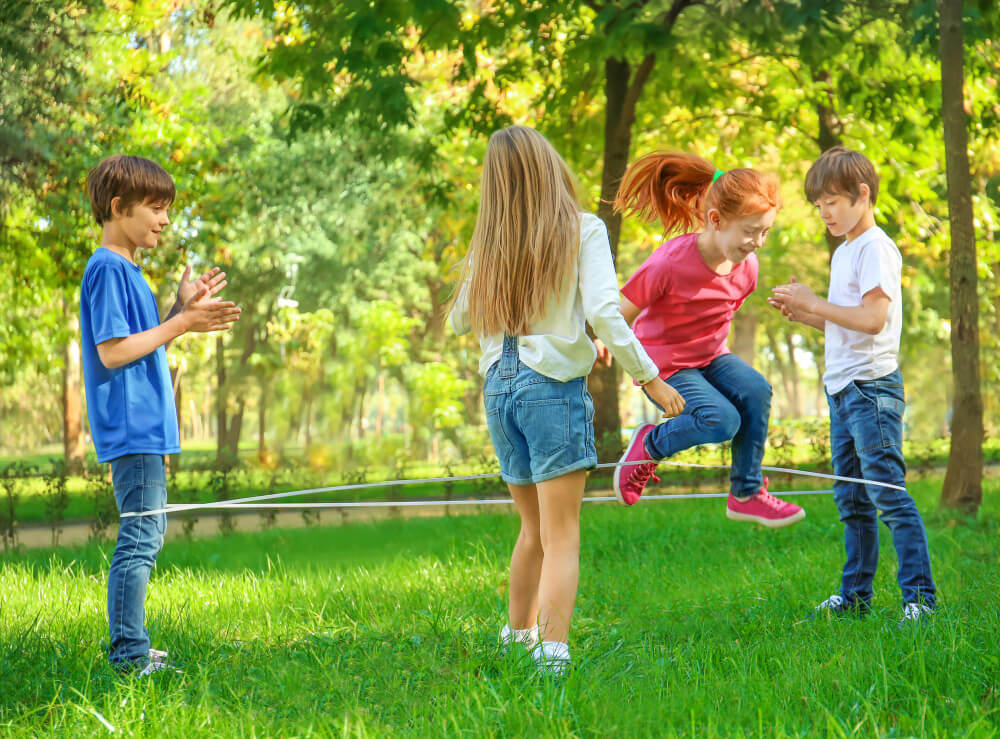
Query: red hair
x=678 y=189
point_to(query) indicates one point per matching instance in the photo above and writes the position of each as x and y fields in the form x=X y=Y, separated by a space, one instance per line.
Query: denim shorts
x=541 y=428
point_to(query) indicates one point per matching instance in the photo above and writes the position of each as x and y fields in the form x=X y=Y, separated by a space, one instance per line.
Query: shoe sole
x=619 y=468
x=771 y=523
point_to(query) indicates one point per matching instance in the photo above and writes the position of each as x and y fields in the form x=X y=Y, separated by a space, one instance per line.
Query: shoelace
x=641 y=474
x=834 y=601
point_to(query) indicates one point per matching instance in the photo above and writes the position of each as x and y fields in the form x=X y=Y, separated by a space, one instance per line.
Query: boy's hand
x=796 y=297
x=603 y=354
x=203 y=313
x=786 y=312
x=214 y=280
x=665 y=396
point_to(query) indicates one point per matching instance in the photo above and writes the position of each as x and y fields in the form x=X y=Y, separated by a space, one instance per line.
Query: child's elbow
x=875 y=327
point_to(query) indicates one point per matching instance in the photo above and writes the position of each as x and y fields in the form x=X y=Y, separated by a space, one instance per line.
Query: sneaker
x=631 y=479
x=158 y=661
x=915 y=613
x=508 y=638
x=765 y=509
x=835 y=605
x=552 y=658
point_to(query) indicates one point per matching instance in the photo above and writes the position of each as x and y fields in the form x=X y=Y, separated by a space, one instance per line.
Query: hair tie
x=718 y=174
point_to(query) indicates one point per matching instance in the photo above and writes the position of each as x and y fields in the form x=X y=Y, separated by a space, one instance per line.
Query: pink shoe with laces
x=631 y=479
x=765 y=509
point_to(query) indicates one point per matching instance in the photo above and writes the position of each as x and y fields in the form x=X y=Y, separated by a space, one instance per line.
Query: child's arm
x=868 y=318
x=599 y=293
x=459 y=316
x=214 y=278
x=201 y=313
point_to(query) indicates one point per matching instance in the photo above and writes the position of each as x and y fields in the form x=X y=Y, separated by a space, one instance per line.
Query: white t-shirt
x=557 y=345
x=859 y=266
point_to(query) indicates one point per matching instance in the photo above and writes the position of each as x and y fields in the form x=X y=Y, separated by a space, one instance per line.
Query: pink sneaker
x=630 y=479
x=765 y=509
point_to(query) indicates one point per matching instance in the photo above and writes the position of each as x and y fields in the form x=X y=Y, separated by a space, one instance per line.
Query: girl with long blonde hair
x=537 y=270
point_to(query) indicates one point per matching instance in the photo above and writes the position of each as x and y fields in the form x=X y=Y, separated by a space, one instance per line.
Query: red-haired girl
x=680 y=304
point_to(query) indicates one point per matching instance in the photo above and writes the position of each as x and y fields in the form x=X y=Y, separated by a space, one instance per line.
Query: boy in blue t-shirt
x=130 y=402
x=862 y=321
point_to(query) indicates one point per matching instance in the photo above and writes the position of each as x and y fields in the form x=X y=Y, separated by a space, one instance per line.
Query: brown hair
x=527 y=234
x=841 y=171
x=132 y=179
x=680 y=189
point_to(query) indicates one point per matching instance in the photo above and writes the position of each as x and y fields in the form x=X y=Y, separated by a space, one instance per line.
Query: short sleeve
x=108 y=303
x=650 y=281
x=880 y=265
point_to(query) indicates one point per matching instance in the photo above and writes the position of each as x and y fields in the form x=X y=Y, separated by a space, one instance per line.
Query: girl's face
x=738 y=238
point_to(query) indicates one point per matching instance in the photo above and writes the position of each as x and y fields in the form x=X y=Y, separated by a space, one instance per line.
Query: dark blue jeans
x=726 y=399
x=866 y=440
x=140 y=485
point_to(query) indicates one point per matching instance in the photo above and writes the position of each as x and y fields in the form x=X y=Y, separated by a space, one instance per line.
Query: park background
x=327 y=157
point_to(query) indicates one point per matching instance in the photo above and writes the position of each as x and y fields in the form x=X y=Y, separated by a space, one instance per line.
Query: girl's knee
x=562 y=536
x=719 y=425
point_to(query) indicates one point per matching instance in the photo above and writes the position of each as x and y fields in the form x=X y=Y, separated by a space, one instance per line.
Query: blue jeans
x=540 y=428
x=140 y=485
x=726 y=399
x=866 y=440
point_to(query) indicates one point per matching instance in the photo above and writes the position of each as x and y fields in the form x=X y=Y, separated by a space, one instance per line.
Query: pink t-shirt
x=686 y=307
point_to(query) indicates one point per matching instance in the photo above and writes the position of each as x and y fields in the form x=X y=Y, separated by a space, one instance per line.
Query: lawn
x=687 y=623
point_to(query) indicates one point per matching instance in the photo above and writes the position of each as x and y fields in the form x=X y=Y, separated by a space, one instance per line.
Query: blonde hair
x=527 y=235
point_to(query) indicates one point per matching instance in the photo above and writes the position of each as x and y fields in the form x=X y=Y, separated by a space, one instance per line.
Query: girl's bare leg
x=526 y=560
x=559 y=502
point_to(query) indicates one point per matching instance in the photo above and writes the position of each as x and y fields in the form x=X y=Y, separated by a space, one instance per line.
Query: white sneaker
x=552 y=657
x=508 y=638
x=158 y=661
x=915 y=613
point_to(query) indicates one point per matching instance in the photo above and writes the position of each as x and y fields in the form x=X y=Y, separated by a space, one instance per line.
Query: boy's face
x=738 y=238
x=839 y=214
x=143 y=222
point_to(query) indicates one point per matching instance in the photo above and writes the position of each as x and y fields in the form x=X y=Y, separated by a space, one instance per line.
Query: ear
x=866 y=192
x=713 y=219
x=116 y=206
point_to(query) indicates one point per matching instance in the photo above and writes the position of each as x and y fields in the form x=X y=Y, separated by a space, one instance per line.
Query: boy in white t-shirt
x=862 y=320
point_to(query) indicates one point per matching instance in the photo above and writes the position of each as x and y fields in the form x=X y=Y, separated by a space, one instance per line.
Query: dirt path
x=38 y=536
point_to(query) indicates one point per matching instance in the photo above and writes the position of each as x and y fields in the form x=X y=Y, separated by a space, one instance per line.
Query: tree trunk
x=175 y=380
x=743 y=339
x=963 y=482
x=795 y=401
x=830 y=129
x=262 y=422
x=622 y=90
x=73 y=446
x=779 y=362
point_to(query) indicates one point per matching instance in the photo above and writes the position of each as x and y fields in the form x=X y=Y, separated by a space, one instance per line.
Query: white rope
x=240 y=502
x=410 y=503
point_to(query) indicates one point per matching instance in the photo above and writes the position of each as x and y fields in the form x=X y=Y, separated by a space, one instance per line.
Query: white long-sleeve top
x=557 y=345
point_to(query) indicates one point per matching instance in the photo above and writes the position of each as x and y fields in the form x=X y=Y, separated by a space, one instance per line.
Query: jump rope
x=256 y=502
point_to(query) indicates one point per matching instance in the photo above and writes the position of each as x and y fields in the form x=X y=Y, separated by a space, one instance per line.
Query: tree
x=963 y=487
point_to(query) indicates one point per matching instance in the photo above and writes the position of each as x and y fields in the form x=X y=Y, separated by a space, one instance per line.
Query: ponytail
x=679 y=190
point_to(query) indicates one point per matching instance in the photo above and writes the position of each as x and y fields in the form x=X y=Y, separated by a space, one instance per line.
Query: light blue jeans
x=140 y=485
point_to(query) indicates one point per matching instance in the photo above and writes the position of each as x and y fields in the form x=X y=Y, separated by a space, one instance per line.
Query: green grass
x=686 y=623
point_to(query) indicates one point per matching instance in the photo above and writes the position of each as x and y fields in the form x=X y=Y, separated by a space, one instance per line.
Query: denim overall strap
x=508 y=360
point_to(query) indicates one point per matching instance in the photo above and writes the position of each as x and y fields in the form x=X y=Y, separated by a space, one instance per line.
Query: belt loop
x=508 y=359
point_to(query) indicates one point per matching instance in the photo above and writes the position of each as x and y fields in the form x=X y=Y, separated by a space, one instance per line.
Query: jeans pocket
x=544 y=424
x=501 y=444
x=878 y=418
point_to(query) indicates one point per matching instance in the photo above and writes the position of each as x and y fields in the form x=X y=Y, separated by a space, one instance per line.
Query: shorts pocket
x=501 y=444
x=544 y=424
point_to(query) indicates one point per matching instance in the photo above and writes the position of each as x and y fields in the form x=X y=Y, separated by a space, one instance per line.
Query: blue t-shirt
x=131 y=409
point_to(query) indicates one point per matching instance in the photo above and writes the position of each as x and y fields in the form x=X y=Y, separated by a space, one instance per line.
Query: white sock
x=527 y=637
x=552 y=656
